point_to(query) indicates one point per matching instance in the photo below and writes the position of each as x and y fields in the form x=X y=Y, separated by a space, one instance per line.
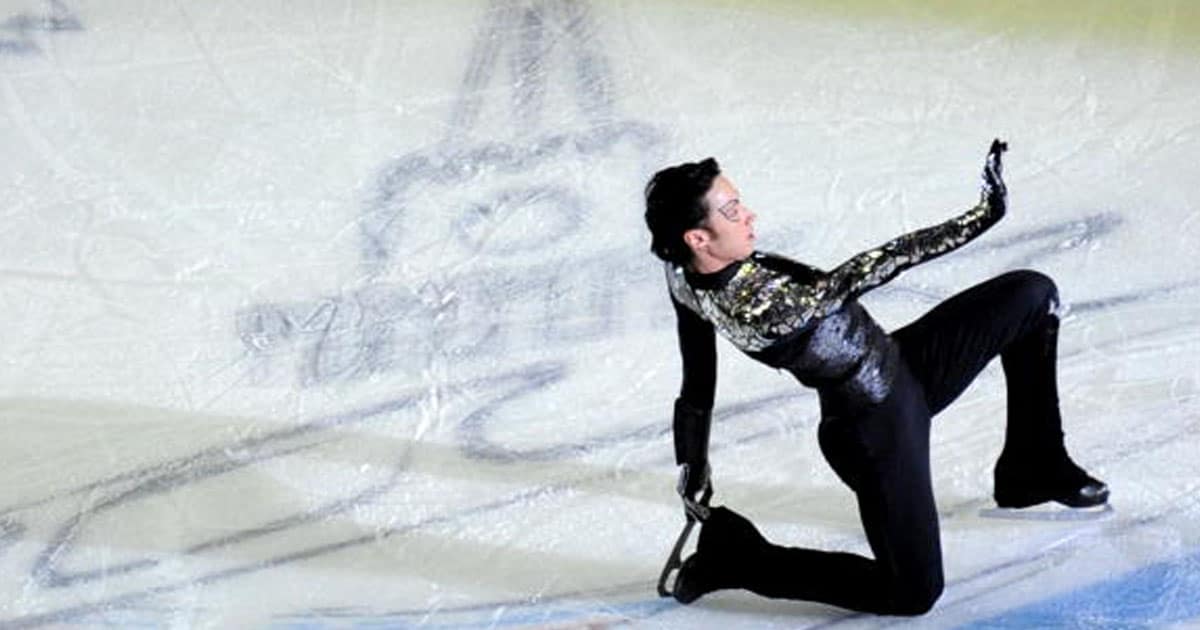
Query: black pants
x=883 y=453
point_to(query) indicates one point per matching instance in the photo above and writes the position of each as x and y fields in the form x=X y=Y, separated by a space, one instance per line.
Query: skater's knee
x=1036 y=287
x=918 y=598
x=916 y=604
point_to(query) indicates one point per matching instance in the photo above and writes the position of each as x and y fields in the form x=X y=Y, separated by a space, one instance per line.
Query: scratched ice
x=341 y=314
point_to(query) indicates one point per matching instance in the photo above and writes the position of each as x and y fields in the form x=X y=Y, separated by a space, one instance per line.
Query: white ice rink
x=341 y=314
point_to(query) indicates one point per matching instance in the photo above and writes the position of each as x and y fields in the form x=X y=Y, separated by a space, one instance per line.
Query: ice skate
x=727 y=547
x=1021 y=485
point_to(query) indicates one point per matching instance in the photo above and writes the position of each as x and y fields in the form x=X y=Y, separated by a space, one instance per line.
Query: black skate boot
x=725 y=552
x=1023 y=482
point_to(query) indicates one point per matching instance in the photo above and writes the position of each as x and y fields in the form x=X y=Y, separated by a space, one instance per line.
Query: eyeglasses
x=730 y=210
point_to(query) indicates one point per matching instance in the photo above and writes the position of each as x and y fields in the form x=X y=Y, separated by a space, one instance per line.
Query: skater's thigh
x=895 y=503
x=899 y=517
x=884 y=457
x=947 y=347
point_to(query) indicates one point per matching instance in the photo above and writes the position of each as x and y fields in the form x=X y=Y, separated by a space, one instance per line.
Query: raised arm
x=693 y=407
x=875 y=267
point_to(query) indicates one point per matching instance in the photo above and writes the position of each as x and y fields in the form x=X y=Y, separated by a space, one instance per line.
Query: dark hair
x=675 y=204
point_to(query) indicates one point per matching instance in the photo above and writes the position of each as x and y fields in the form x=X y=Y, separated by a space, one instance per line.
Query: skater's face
x=727 y=233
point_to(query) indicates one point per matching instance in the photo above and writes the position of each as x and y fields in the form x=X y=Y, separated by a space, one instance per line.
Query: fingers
x=993 y=173
x=692 y=479
x=681 y=486
x=696 y=509
x=994 y=164
x=994 y=167
x=994 y=191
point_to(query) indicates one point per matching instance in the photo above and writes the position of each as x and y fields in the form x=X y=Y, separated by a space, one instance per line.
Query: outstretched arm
x=875 y=267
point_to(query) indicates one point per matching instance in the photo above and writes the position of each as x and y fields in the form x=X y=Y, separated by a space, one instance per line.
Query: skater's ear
x=697 y=238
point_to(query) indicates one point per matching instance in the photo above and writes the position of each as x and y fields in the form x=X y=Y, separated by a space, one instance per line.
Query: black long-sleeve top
x=796 y=317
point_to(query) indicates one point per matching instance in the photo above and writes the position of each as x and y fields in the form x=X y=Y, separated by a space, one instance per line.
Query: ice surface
x=341 y=314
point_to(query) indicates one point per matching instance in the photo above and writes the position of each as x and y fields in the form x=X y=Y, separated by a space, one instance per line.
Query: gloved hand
x=691 y=427
x=993 y=190
x=694 y=479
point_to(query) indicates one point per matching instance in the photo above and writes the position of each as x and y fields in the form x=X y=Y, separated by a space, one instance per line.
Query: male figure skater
x=877 y=391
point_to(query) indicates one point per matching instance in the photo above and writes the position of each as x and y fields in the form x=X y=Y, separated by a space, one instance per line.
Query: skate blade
x=1048 y=513
x=674 y=561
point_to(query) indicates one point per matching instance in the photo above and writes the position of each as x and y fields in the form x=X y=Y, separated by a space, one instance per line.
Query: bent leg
x=1011 y=315
x=1014 y=316
x=884 y=458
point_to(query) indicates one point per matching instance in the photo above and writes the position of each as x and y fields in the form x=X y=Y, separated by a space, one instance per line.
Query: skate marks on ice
x=220 y=462
x=159 y=481
x=10 y=532
x=18 y=32
x=1146 y=596
x=1156 y=595
x=622 y=605
x=1030 y=247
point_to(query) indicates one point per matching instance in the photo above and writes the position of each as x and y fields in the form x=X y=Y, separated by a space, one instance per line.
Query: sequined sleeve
x=875 y=267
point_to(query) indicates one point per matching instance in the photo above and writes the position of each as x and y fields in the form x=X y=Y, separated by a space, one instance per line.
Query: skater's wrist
x=693 y=477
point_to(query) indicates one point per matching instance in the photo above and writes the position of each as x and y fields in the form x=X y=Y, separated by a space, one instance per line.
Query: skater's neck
x=703 y=264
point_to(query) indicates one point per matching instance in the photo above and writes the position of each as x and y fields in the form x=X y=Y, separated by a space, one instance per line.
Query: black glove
x=695 y=489
x=691 y=427
x=693 y=478
x=993 y=191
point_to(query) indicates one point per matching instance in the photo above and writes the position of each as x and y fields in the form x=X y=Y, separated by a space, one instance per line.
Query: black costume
x=877 y=394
